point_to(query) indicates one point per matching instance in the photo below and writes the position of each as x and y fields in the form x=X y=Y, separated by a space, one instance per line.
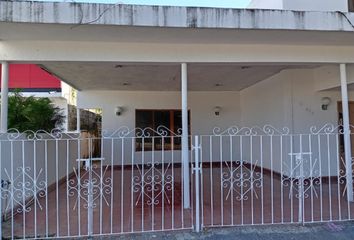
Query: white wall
x=201 y=105
x=291 y=99
x=327 y=77
x=301 y=5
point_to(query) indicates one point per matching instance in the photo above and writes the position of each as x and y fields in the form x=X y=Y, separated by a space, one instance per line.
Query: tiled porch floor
x=124 y=210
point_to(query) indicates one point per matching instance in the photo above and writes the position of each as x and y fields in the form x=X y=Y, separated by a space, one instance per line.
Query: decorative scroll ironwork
x=125 y=132
x=14 y=134
x=90 y=183
x=250 y=131
x=163 y=131
x=342 y=174
x=152 y=184
x=23 y=189
x=241 y=180
x=301 y=180
x=328 y=128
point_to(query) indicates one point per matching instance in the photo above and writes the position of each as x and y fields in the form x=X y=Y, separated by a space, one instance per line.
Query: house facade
x=210 y=117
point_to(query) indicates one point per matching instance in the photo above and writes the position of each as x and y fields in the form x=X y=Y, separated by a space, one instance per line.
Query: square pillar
x=185 y=145
x=4 y=95
x=346 y=129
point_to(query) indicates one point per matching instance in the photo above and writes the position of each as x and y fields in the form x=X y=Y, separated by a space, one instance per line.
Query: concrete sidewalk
x=323 y=231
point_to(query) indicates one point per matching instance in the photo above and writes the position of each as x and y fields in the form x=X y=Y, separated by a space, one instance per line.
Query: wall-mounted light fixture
x=119 y=111
x=217 y=110
x=326 y=101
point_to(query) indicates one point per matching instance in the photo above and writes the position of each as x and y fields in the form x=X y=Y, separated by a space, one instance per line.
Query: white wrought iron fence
x=55 y=189
x=55 y=185
x=256 y=176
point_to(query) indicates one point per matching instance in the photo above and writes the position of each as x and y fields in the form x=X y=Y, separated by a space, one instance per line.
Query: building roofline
x=77 y=14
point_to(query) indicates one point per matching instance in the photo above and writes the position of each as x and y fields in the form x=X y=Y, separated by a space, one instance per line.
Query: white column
x=346 y=128
x=4 y=95
x=185 y=145
x=78 y=120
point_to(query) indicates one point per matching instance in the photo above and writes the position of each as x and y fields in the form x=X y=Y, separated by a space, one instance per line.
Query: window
x=351 y=5
x=170 y=119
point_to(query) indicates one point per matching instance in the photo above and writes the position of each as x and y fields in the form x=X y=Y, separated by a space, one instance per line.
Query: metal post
x=346 y=128
x=197 y=172
x=299 y=160
x=4 y=95
x=90 y=192
x=185 y=147
x=78 y=120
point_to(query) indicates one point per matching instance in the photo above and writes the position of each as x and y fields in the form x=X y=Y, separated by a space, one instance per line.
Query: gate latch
x=197 y=166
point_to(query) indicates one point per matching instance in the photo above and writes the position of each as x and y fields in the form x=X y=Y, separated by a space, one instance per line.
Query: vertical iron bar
x=173 y=182
x=338 y=178
x=142 y=183
x=67 y=189
x=35 y=185
x=46 y=186
x=197 y=192
x=320 y=166
x=122 y=189
x=90 y=192
x=163 y=183
x=312 y=177
x=57 y=184
x=221 y=186
x=241 y=177
x=23 y=189
x=211 y=180
x=262 y=190
x=329 y=179
x=281 y=180
x=112 y=181
x=153 y=183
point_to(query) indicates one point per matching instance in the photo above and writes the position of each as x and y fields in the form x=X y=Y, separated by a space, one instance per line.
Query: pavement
x=323 y=231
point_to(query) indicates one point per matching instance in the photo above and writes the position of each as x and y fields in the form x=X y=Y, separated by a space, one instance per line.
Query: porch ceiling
x=161 y=77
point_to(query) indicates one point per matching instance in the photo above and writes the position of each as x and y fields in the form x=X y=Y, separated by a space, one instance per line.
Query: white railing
x=256 y=176
x=65 y=185
x=58 y=189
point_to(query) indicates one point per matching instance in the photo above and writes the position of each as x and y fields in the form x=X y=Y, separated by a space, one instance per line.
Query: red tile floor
x=121 y=208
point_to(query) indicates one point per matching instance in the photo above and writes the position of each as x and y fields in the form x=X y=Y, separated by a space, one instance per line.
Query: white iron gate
x=59 y=185
x=64 y=185
x=257 y=176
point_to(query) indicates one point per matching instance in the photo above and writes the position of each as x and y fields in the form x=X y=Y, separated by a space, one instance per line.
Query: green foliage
x=30 y=113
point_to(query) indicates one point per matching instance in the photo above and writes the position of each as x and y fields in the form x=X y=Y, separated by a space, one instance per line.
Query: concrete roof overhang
x=162 y=76
x=82 y=43
x=54 y=21
x=170 y=16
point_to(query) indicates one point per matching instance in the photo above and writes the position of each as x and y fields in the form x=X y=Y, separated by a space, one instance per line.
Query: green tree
x=30 y=113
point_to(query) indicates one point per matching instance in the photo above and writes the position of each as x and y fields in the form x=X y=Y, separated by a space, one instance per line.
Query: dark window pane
x=143 y=120
x=162 y=118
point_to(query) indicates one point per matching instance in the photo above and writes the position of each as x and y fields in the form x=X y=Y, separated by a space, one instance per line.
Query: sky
x=199 y=3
